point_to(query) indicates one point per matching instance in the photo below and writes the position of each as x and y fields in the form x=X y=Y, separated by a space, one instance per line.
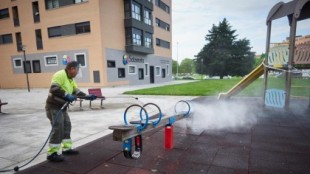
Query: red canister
x=168 y=136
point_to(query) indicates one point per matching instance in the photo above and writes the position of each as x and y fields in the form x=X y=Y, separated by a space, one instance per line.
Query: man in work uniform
x=63 y=89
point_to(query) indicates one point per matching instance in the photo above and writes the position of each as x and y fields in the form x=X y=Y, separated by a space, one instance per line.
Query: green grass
x=216 y=86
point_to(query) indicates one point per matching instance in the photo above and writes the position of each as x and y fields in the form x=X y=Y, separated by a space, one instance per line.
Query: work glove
x=90 y=97
x=70 y=98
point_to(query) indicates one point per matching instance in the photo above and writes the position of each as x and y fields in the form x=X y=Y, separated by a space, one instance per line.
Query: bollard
x=168 y=136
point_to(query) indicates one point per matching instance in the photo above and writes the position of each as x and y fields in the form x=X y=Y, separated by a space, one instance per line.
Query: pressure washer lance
x=100 y=97
x=16 y=168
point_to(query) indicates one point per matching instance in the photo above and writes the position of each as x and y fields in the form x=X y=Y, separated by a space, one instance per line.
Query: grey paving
x=275 y=142
x=24 y=128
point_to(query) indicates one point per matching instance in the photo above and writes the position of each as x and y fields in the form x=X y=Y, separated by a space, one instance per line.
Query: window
x=121 y=72
x=51 y=60
x=167 y=68
x=133 y=36
x=51 y=4
x=81 y=58
x=140 y=73
x=147 y=16
x=15 y=16
x=4 y=13
x=39 y=39
x=136 y=36
x=127 y=9
x=157 y=42
x=96 y=75
x=27 y=66
x=19 y=43
x=157 y=70
x=163 y=73
x=136 y=11
x=17 y=62
x=79 y=1
x=5 y=39
x=162 y=24
x=148 y=40
x=70 y=29
x=131 y=69
x=167 y=27
x=157 y=21
x=36 y=66
x=35 y=11
x=146 y=67
x=162 y=43
x=83 y=27
x=111 y=63
x=162 y=5
x=128 y=36
x=54 y=31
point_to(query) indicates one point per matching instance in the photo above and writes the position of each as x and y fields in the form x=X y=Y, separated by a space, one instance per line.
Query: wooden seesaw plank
x=124 y=132
x=153 y=118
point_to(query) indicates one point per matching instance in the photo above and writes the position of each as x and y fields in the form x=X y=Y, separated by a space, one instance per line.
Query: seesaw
x=135 y=129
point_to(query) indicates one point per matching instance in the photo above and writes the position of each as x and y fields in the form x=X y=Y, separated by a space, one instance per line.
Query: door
x=151 y=74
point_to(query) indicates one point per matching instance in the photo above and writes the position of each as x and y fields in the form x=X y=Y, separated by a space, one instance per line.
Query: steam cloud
x=221 y=115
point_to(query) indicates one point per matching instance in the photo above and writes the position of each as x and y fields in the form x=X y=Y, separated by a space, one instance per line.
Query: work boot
x=54 y=157
x=70 y=152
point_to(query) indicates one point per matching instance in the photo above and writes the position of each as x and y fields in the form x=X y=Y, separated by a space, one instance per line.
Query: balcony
x=131 y=22
x=139 y=49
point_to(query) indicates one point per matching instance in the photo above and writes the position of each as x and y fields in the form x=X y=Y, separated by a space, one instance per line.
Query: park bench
x=97 y=92
x=4 y=103
x=80 y=101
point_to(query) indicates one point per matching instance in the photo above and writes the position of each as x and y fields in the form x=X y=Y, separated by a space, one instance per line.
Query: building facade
x=116 y=42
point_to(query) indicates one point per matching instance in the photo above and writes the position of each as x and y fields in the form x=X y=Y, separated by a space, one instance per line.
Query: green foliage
x=214 y=87
x=242 y=59
x=223 y=54
x=187 y=66
x=174 y=66
x=259 y=60
x=199 y=88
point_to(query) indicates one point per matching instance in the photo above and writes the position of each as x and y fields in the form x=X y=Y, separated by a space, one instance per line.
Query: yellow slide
x=246 y=81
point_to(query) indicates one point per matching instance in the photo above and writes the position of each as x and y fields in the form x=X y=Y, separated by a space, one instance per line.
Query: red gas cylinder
x=168 y=136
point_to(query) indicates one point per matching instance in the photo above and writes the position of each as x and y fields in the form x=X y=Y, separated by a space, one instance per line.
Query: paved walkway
x=25 y=127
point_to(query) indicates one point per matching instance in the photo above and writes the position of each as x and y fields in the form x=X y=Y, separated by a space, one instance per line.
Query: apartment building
x=116 y=42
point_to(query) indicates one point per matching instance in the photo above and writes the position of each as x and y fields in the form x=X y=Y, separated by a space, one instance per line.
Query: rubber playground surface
x=249 y=139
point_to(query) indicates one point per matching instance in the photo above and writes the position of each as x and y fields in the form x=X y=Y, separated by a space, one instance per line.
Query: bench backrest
x=95 y=91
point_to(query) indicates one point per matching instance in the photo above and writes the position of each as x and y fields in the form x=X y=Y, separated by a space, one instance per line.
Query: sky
x=192 y=20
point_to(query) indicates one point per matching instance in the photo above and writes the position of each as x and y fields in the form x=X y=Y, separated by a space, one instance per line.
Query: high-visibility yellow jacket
x=61 y=85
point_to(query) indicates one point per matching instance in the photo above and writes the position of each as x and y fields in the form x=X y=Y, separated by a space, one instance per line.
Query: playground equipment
x=134 y=129
x=246 y=81
x=282 y=57
x=288 y=55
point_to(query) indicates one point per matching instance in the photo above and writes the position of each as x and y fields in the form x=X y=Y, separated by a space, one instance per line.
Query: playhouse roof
x=299 y=8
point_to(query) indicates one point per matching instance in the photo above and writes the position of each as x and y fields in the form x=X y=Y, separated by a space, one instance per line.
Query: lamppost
x=25 y=68
x=177 y=60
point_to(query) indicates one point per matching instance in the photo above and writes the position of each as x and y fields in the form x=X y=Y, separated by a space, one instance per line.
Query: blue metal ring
x=184 y=101
x=142 y=126
x=160 y=113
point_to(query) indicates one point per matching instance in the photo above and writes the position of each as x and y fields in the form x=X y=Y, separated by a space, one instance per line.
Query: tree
x=259 y=60
x=242 y=59
x=174 y=67
x=223 y=55
x=187 y=66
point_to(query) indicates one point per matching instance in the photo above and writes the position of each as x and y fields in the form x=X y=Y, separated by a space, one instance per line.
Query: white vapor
x=221 y=115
